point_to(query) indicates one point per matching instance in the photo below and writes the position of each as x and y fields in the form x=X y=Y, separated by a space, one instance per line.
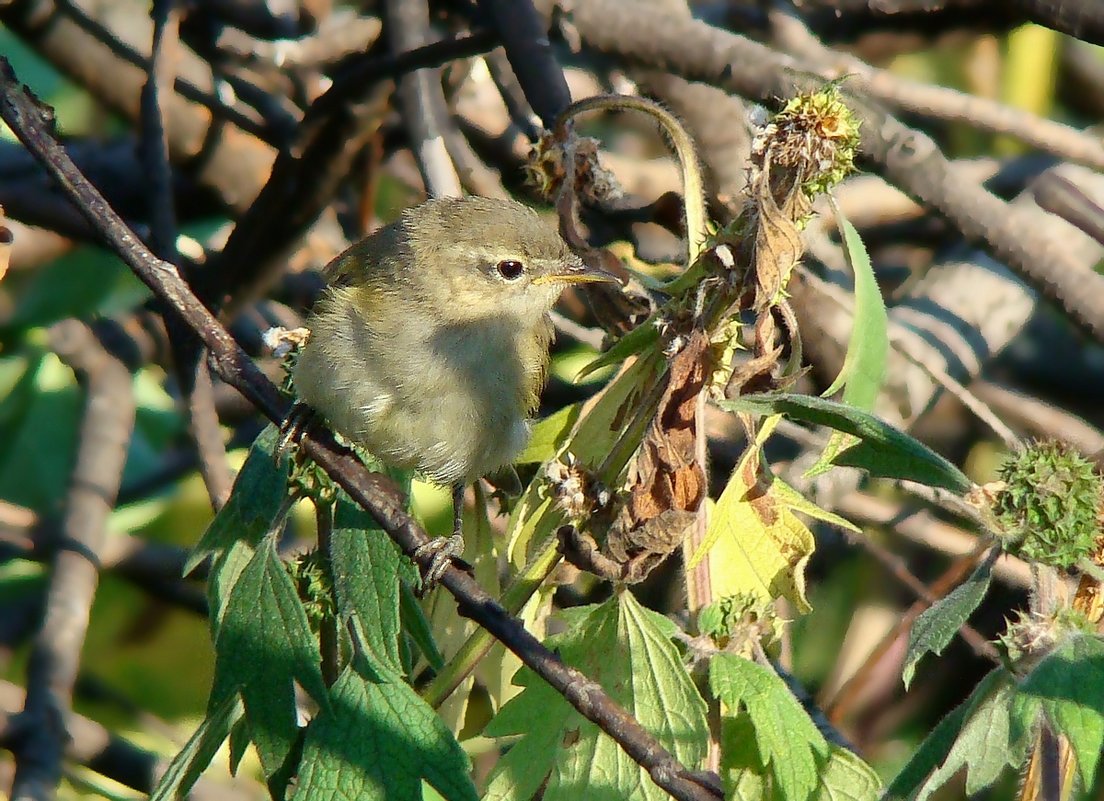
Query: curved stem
x=697 y=233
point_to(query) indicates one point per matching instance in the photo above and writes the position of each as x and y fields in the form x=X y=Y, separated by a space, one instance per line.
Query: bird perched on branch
x=430 y=346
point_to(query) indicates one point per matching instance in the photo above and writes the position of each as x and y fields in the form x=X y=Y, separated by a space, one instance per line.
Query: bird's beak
x=580 y=273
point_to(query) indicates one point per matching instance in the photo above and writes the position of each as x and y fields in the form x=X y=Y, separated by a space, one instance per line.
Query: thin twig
x=374 y=492
x=195 y=381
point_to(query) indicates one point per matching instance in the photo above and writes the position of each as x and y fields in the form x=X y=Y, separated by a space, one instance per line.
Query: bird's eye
x=510 y=270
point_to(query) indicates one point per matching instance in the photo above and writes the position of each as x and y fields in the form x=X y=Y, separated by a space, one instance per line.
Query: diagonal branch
x=30 y=121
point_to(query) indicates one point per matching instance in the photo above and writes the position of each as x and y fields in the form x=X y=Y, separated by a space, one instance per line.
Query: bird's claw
x=442 y=552
x=297 y=422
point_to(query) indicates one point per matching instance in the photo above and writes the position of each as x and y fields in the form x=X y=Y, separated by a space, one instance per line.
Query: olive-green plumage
x=430 y=347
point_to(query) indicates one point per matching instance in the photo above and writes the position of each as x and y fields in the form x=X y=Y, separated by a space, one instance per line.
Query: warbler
x=429 y=347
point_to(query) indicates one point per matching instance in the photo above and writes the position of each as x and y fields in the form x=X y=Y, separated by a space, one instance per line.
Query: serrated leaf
x=1068 y=687
x=882 y=450
x=787 y=741
x=198 y=752
x=937 y=625
x=366 y=569
x=379 y=740
x=755 y=543
x=937 y=745
x=264 y=646
x=985 y=746
x=625 y=648
x=257 y=495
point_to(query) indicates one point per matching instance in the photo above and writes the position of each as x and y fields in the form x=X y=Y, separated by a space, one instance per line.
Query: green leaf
x=416 y=627
x=865 y=363
x=937 y=745
x=787 y=740
x=39 y=417
x=264 y=646
x=257 y=495
x=198 y=752
x=985 y=746
x=847 y=778
x=253 y=510
x=636 y=341
x=624 y=647
x=549 y=435
x=882 y=449
x=1068 y=687
x=938 y=624
x=366 y=567
x=379 y=740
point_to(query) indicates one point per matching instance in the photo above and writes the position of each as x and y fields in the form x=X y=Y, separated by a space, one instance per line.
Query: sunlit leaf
x=985 y=746
x=756 y=544
x=882 y=450
x=198 y=752
x=378 y=740
x=636 y=341
x=787 y=742
x=865 y=363
x=624 y=647
x=938 y=624
x=937 y=745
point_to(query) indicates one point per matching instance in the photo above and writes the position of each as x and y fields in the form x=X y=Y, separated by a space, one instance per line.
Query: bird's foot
x=442 y=553
x=298 y=422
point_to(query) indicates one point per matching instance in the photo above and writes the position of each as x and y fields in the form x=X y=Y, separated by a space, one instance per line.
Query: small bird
x=429 y=347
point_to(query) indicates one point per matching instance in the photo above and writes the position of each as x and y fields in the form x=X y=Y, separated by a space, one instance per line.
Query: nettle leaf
x=366 y=566
x=1068 y=687
x=627 y=649
x=937 y=746
x=985 y=746
x=254 y=507
x=938 y=624
x=378 y=740
x=847 y=778
x=263 y=648
x=882 y=450
x=786 y=740
x=198 y=752
x=756 y=544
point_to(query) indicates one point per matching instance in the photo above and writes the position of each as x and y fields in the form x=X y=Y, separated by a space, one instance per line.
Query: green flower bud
x=1049 y=508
